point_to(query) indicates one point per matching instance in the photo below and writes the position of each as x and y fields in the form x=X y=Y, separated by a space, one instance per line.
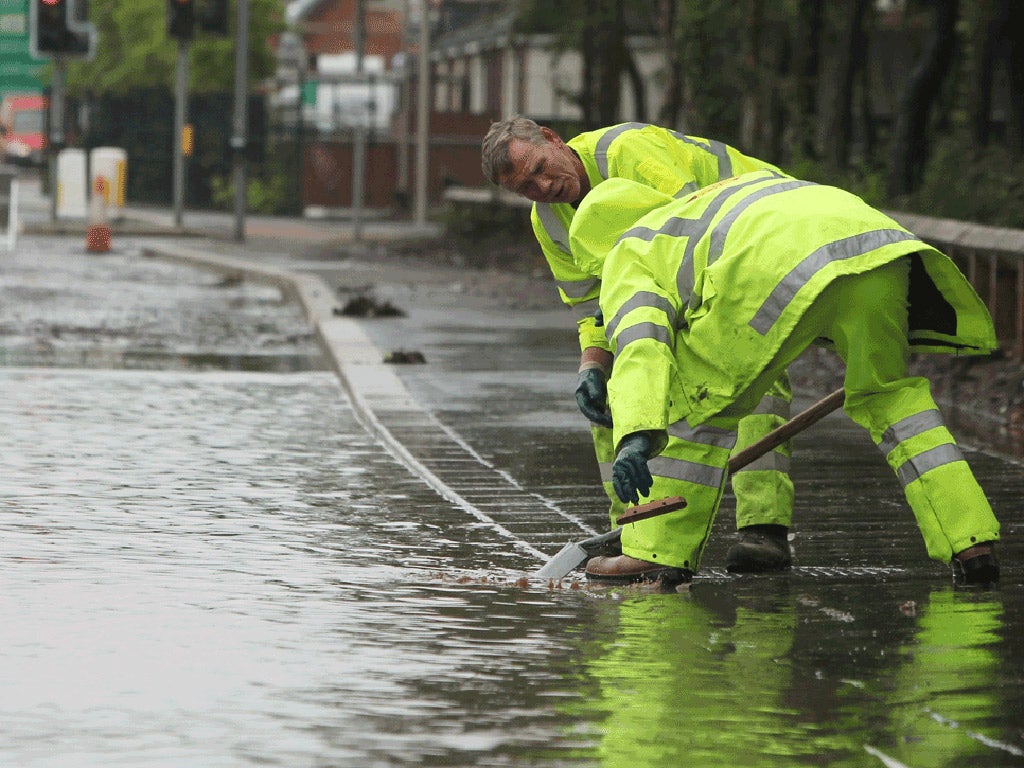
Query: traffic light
x=213 y=16
x=58 y=28
x=181 y=18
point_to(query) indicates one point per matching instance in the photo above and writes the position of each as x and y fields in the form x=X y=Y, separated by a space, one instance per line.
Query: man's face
x=544 y=173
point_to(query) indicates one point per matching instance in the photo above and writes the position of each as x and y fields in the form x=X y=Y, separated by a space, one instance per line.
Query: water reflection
x=950 y=693
x=727 y=677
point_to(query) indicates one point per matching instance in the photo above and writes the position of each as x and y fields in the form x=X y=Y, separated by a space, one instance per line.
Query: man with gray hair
x=533 y=161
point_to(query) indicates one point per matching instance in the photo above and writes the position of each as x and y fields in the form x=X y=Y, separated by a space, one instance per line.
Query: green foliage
x=134 y=51
x=863 y=180
x=476 y=222
x=262 y=195
x=962 y=181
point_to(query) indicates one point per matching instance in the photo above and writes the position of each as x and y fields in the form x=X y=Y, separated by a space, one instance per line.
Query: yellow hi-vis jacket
x=657 y=157
x=699 y=294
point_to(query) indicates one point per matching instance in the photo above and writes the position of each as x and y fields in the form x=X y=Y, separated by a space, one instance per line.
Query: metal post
x=180 y=119
x=56 y=128
x=402 y=187
x=359 y=143
x=422 y=115
x=238 y=138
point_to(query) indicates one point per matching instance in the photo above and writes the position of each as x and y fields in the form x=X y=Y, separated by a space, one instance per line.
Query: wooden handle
x=652 y=509
x=751 y=453
x=778 y=436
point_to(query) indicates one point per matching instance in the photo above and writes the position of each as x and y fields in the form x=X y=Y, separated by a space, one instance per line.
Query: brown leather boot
x=975 y=566
x=623 y=569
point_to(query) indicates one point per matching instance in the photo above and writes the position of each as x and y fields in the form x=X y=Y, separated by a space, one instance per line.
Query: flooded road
x=207 y=560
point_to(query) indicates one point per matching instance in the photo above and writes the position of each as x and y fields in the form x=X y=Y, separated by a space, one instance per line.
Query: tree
x=134 y=50
x=807 y=33
x=910 y=136
x=851 y=60
x=599 y=30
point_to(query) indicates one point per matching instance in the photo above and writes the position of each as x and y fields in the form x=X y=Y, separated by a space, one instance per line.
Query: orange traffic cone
x=98 y=232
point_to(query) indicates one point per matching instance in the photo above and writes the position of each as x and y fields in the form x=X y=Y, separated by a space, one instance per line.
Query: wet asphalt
x=232 y=534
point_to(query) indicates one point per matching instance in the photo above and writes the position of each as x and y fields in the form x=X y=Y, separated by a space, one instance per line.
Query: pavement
x=489 y=423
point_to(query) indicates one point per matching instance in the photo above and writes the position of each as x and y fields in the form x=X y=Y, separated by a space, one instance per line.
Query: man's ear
x=550 y=135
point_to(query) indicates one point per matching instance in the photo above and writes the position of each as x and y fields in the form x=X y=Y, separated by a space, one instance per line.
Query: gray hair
x=494 y=159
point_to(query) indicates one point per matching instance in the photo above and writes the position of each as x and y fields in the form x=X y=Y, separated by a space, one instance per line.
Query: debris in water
x=400 y=356
x=365 y=306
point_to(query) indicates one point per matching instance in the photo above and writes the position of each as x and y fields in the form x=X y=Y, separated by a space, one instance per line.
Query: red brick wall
x=327 y=171
x=330 y=29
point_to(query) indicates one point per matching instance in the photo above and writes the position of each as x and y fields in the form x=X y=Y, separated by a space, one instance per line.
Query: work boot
x=975 y=566
x=761 y=548
x=623 y=569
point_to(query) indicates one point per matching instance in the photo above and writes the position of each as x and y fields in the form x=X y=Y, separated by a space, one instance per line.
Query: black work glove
x=592 y=396
x=631 y=477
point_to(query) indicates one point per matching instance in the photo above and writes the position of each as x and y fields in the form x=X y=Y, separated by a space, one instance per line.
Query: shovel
x=575 y=553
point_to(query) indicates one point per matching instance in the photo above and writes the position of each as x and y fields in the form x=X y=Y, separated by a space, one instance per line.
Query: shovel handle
x=751 y=453
x=779 y=435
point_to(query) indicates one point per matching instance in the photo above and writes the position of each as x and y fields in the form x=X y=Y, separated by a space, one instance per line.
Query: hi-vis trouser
x=763 y=488
x=865 y=316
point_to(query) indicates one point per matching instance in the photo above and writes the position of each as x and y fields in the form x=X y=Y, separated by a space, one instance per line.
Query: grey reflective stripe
x=601 y=150
x=694 y=229
x=703 y=434
x=687 y=188
x=642 y=331
x=553 y=226
x=677 y=469
x=584 y=309
x=914 y=425
x=721 y=230
x=716 y=148
x=685 y=278
x=773 y=461
x=773 y=406
x=838 y=250
x=688 y=471
x=578 y=289
x=913 y=468
x=637 y=300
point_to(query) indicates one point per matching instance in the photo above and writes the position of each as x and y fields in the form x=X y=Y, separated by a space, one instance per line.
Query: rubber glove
x=592 y=396
x=631 y=477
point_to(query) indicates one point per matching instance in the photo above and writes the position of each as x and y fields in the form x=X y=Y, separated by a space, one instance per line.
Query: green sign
x=309 y=93
x=19 y=72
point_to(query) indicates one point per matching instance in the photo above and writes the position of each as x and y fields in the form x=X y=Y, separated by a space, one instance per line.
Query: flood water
x=207 y=565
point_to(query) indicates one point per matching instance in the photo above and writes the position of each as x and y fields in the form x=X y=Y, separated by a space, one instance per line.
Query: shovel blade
x=575 y=553
x=571 y=556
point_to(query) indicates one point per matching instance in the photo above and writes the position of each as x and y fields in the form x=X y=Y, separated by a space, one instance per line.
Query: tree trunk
x=609 y=37
x=670 y=114
x=807 y=59
x=851 y=58
x=1015 y=69
x=589 y=55
x=985 y=41
x=910 y=137
x=637 y=85
x=751 y=116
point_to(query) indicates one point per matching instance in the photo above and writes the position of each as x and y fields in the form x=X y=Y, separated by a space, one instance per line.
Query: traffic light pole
x=239 y=133
x=57 y=138
x=180 y=118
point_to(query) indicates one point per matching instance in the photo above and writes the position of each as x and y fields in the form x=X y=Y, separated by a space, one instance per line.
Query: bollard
x=98 y=232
